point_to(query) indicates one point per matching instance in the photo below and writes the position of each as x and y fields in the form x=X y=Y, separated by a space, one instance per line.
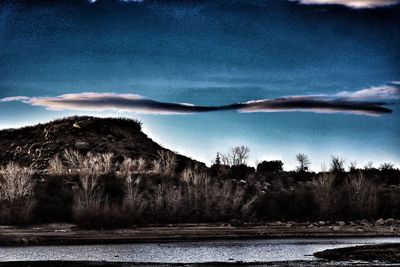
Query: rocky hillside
x=35 y=145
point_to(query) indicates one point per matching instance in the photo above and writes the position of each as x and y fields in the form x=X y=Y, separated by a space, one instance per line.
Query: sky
x=320 y=77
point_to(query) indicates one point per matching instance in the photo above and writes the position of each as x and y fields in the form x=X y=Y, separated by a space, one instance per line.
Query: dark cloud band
x=358 y=102
x=352 y=3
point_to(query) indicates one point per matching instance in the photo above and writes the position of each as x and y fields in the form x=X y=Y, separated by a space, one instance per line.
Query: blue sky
x=212 y=53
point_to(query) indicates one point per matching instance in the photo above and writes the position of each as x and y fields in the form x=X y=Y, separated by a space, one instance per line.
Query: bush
x=166 y=163
x=361 y=196
x=102 y=216
x=16 y=194
x=288 y=205
x=274 y=166
x=54 y=199
x=325 y=193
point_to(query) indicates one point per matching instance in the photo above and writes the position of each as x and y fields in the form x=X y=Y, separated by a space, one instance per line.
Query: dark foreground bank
x=388 y=253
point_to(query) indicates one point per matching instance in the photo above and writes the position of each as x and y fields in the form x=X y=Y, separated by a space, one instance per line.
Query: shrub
x=113 y=189
x=240 y=171
x=274 y=166
x=388 y=202
x=130 y=166
x=166 y=162
x=56 y=167
x=99 y=216
x=16 y=193
x=324 y=192
x=133 y=202
x=54 y=199
x=89 y=169
x=361 y=195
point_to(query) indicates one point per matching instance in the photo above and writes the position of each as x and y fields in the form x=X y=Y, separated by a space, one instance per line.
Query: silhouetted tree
x=389 y=174
x=273 y=166
x=353 y=167
x=386 y=166
x=215 y=169
x=304 y=162
x=338 y=170
x=241 y=171
x=237 y=155
x=217 y=159
x=369 y=166
x=337 y=165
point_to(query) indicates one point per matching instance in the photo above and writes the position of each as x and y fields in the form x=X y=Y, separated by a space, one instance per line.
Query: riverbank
x=387 y=253
x=69 y=234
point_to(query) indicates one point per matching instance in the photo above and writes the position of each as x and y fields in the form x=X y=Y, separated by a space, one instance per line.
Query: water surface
x=189 y=252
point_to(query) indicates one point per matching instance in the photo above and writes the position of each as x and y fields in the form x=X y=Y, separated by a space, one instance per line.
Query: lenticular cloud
x=352 y=3
x=362 y=102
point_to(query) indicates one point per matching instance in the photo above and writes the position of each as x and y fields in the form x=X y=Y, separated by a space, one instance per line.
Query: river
x=260 y=250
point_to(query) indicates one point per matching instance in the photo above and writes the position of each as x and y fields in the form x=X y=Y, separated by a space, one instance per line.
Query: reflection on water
x=190 y=252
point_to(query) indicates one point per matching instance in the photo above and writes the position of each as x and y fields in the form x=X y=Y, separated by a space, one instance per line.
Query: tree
x=387 y=166
x=304 y=162
x=217 y=159
x=353 y=167
x=237 y=155
x=273 y=166
x=216 y=167
x=337 y=165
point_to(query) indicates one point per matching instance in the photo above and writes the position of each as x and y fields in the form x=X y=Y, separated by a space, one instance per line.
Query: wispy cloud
x=352 y=3
x=389 y=91
x=15 y=98
x=358 y=102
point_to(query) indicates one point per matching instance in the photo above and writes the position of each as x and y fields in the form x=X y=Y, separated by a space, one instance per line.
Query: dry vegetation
x=16 y=192
x=96 y=190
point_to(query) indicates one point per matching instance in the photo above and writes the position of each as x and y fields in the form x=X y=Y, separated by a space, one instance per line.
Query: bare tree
x=324 y=191
x=386 y=166
x=369 y=165
x=353 y=166
x=361 y=194
x=304 y=162
x=15 y=183
x=337 y=165
x=237 y=155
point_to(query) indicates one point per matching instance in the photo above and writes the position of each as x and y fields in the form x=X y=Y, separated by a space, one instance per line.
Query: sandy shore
x=63 y=234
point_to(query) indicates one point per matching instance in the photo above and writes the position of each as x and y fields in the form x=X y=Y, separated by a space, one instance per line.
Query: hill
x=35 y=145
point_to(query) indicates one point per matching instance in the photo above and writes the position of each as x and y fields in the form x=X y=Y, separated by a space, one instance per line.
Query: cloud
x=352 y=3
x=358 y=102
x=15 y=98
x=127 y=1
x=110 y=101
x=315 y=104
x=390 y=91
